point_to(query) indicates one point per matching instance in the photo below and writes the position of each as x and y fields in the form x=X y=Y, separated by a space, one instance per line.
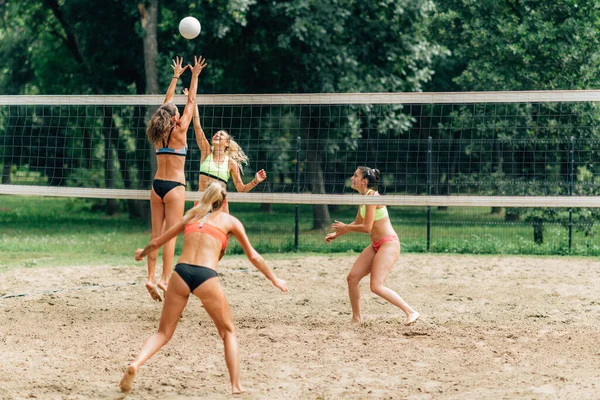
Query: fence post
x=297 y=219
x=429 y=150
x=571 y=175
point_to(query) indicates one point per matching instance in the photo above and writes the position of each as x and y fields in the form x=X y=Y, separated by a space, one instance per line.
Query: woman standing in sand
x=206 y=229
x=379 y=257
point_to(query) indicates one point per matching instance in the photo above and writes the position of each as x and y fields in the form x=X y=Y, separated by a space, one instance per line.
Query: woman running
x=167 y=132
x=206 y=230
x=223 y=160
x=378 y=258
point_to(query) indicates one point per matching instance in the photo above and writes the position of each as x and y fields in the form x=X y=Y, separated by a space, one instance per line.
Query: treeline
x=301 y=46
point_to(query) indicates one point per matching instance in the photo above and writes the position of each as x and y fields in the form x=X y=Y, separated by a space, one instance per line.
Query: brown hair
x=161 y=123
x=371 y=175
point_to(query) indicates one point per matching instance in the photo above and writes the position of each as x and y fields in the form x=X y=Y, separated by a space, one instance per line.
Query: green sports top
x=379 y=212
x=213 y=170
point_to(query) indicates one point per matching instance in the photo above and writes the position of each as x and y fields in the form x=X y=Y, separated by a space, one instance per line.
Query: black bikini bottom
x=162 y=187
x=194 y=275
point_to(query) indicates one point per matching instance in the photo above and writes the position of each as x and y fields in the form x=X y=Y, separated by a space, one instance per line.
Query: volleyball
x=189 y=27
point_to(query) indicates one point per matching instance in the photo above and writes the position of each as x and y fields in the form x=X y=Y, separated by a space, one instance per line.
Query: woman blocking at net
x=206 y=229
x=378 y=258
x=167 y=131
x=223 y=160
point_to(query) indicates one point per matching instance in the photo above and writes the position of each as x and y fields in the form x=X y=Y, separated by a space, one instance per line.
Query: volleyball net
x=530 y=157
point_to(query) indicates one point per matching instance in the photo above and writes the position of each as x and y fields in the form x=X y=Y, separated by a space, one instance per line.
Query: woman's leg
x=157 y=210
x=383 y=262
x=214 y=302
x=360 y=269
x=174 y=207
x=175 y=301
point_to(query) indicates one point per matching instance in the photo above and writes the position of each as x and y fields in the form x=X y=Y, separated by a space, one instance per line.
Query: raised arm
x=203 y=144
x=256 y=259
x=160 y=241
x=177 y=71
x=237 y=178
x=190 y=105
x=200 y=136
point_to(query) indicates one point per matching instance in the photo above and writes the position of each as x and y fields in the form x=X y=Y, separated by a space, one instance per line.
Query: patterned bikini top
x=167 y=150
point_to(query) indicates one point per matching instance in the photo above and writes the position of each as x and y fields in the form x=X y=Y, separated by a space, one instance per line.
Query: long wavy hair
x=235 y=152
x=161 y=123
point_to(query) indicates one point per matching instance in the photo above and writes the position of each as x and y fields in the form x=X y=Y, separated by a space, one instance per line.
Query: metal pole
x=571 y=175
x=297 y=221
x=429 y=150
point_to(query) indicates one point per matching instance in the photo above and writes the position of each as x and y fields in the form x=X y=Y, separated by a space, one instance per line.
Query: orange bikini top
x=209 y=229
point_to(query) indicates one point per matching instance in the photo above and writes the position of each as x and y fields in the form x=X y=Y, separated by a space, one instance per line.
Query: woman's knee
x=377 y=288
x=353 y=279
x=226 y=329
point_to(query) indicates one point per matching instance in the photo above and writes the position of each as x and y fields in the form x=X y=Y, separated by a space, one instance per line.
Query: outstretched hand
x=280 y=284
x=260 y=176
x=340 y=227
x=178 y=67
x=199 y=65
x=138 y=255
x=330 y=237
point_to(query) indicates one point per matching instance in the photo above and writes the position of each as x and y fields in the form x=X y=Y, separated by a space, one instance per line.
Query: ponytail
x=213 y=199
x=371 y=175
x=161 y=123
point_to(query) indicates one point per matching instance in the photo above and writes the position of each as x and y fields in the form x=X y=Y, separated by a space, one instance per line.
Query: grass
x=44 y=231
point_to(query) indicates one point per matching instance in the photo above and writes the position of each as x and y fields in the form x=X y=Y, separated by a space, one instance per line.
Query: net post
x=429 y=150
x=297 y=217
x=571 y=175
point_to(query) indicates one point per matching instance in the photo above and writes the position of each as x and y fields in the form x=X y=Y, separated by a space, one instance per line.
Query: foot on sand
x=127 y=380
x=412 y=318
x=151 y=288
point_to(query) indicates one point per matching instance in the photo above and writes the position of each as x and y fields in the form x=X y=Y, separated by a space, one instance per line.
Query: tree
x=524 y=45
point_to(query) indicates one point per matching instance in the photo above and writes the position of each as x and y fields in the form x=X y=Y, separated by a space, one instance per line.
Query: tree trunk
x=538 y=230
x=149 y=21
x=6 y=169
x=500 y=160
x=321 y=218
x=267 y=207
x=109 y=168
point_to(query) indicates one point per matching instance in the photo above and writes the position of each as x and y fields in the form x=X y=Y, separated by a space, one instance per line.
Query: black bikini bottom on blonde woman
x=194 y=275
x=162 y=187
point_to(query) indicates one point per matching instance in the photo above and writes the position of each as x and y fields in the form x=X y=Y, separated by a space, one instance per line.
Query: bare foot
x=237 y=389
x=412 y=318
x=162 y=285
x=151 y=288
x=127 y=379
x=356 y=320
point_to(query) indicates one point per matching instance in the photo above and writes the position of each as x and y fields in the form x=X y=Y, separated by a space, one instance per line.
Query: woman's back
x=205 y=239
x=170 y=166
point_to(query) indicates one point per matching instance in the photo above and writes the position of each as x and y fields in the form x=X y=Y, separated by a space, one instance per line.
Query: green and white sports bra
x=380 y=213
x=213 y=170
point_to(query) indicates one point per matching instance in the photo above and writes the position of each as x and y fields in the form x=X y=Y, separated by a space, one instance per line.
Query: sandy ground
x=492 y=328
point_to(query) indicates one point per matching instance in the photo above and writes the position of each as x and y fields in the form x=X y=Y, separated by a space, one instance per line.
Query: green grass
x=42 y=231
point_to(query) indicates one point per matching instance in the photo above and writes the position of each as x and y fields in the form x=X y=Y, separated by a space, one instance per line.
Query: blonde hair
x=213 y=199
x=161 y=123
x=235 y=152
